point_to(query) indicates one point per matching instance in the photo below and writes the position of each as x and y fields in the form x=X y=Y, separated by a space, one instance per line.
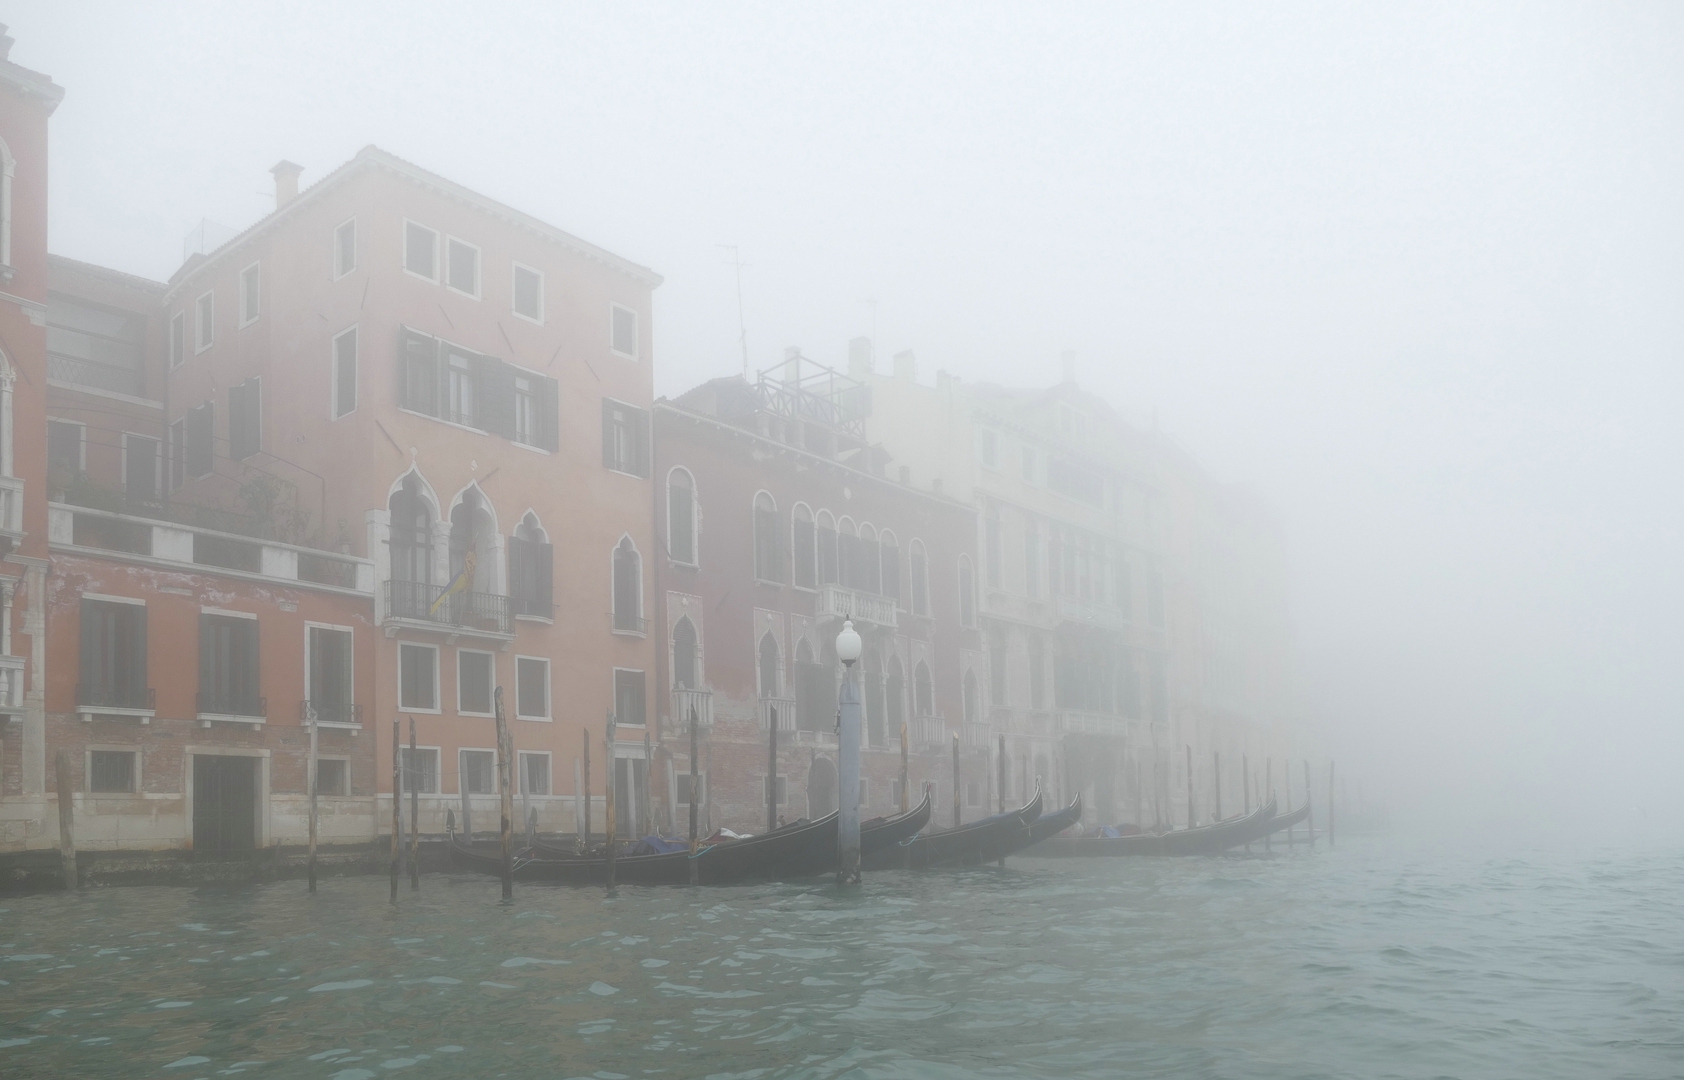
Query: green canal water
x=1374 y=960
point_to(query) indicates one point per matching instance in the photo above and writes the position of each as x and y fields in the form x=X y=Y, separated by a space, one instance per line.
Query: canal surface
x=1372 y=960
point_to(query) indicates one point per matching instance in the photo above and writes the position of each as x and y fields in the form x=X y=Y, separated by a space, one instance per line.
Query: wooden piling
x=695 y=755
x=586 y=735
x=1269 y=793
x=1000 y=776
x=414 y=820
x=66 y=820
x=904 y=794
x=397 y=803
x=956 y=811
x=1286 y=779
x=506 y=804
x=610 y=810
x=648 y=797
x=1330 y=803
x=771 y=767
x=1189 y=785
x=1216 y=780
x=311 y=780
x=467 y=812
x=1245 y=781
x=1310 y=817
x=528 y=819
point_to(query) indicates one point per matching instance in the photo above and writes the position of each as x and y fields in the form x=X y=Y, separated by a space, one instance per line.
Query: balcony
x=683 y=701
x=232 y=707
x=331 y=714
x=417 y=602
x=98 y=697
x=836 y=601
x=976 y=736
x=81 y=372
x=784 y=708
x=929 y=731
x=1075 y=722
x=11 y=507
x=11 y=685
x=1073 y=610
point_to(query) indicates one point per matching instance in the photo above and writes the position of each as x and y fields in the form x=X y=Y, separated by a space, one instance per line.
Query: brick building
x=777 y=521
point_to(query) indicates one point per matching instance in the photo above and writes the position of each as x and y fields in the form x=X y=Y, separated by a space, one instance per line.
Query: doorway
x=631 y=784
x=224 y=806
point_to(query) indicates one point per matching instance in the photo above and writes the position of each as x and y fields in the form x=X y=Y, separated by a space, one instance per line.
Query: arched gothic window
x=920 y=566
x=770 y=666
x=768 y=540
x=628 y=588
x=923 y=691
x=804 y=563
x=967 y=592
x=686 y=656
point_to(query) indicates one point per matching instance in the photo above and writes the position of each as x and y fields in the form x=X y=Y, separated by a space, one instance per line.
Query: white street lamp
x=848 y=723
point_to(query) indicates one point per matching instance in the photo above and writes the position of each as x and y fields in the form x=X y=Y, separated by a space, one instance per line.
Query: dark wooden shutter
x=541 y=564
x=88 y=673
x=496 y=385
x=201 y=426
x=207 y=663
x=245 y=419
x=517 y=571
x=640 y=438
x=249 y=697
x=608 y=458
x=419 y=376
x=133 y=644
x=548 y=412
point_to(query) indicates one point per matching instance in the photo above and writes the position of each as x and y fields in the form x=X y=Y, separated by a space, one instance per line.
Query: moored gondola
x=970 y=843
x=1202 y=840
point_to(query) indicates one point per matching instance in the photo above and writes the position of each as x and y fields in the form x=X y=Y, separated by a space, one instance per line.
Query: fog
x=1412 y=274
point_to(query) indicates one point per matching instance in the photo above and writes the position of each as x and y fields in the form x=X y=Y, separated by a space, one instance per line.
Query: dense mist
x=1411 y=274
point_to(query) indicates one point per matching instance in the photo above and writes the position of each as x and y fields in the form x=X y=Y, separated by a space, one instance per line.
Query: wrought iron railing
x=485 y=612
x=784 y=708
x=338 y=713
x=100 y=694
x=229 y=704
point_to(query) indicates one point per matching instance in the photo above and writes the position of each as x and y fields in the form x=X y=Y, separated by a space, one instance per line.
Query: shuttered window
x=140 y=469
x=531 y=568
x=228 y=672
x=201 y=424
x=628 y=697
x=112 y=664
x=418 y=677
x=345 y=373
x=768 y=540
x=625 y=438
x=330 y=689
x=245 y=419
x=451 y=383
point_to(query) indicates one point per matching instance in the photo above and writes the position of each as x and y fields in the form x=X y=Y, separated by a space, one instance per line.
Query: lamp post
x=848 y=765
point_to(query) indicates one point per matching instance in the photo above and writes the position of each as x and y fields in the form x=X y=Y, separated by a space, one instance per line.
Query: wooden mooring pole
x=66 y=819
x=586 y=839
x=1269 y=793
x=695 y=755
x=311 y=781
x=956 y=810
x=1309 y=818
x=414 y=819
x=904 y=793
x=397 y=803
x=1216 y=780
x=771 y=767
x=1189 y=785
x=1286 y=779
x=610 y=810
x=505 y=782
x=1330 y=803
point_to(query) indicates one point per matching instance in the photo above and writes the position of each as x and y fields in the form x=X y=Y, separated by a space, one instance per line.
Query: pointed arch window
x=923 y=691
x=870 y=561
x=412 y=533
x=968 y=698
x=825 y=527
x=681 y=517
x=628 y=589
x=889 y=558
x=770 y=666
x=894 y=692
x=531 y=569
x=804 y=563
x=967 y=592
x=768 y=540
x=686 y=656
x=919 y=564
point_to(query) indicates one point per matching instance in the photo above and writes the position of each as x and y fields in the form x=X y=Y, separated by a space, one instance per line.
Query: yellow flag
x=460 y=584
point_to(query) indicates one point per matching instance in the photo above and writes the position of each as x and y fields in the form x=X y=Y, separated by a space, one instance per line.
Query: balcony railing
x=71 y=369
x=627 y=623
x=331 y=713
x=94 y=694
x=784 y=709
x=1073 y=610
x=11 y=683
x=684 y=700
x=486 y=613
x=225 y=704
x=976 y=736
x=929 y=731
x=1074 y=721
x=840 y=602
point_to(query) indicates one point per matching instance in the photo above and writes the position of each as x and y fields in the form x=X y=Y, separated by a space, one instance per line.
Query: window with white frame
x=473 y=682
x=418 y=677
x=534 y=773
x=532 y=688
x=420 y=770
x=526 y=412
x=477 y=772
x=529 y=293
x=112 y=771
x=345 y=249
x=345 y=373
x=178 y=338
x=205 y=312
x=420 y=251
x=331 y=694
x=333 y=776
x=462 y=267
x=251 y=293
x=623 y=331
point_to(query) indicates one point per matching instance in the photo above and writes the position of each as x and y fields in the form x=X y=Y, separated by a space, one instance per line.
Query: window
x=805 y=563
x=1037 y=674
x=681 y=517
x=923 y=692
x=198 y=454
x=333 y=776
x=112 y=664
x=968 y=703
x=460 y=385
x=991 y=540
x=628 y=697
x=111 y=770
x=64 y=448
x=1076 y=481
x=140 y=468
x=989 y=449
x=462 y=270
x=967 y=592
x=412 y=535
x=178 y=339
x=478 y=769
x=529 y=293
x=828 y=555
x=205 y=308
x=532 y=688
x=686 y=656
x=894 y=698
x=782 y=794
x=420 y=770
x=328 y=686
x=625 y=438
x=345 y=373
x=768 y=540
x=531 y=569
x=920 y=580
x=534 y=773
x=473 y=682
x=891 y=565
x=228 y=675
x=869 y=570
x=1032 y=560
x=628 y=588
x=420 y=251
x=1122 y=588
x=623 y=332
x=771 y=666
x=418 y=677
x=345 y=248
x=245 y=419
x=178 y=454
x=526 y=412
x=251 y=293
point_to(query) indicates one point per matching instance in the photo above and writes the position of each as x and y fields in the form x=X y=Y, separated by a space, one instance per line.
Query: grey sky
x=1412 y=272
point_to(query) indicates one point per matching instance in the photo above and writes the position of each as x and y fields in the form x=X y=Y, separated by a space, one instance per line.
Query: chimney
x=1068 y=357
x=906 y=366
x=286 y=182
x=859 y=358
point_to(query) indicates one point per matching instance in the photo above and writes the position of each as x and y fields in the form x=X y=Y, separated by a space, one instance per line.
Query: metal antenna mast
x=742 y=324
